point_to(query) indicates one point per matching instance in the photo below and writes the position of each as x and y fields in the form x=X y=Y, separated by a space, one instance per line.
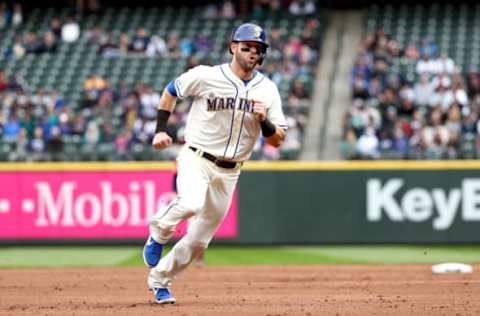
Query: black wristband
x=268 y=128
x=162 y=118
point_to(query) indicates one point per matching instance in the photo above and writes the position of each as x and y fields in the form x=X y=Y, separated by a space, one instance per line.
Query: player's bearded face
x=247 y=55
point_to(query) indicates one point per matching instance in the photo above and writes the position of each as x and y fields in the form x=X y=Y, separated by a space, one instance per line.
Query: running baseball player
x=232 y=104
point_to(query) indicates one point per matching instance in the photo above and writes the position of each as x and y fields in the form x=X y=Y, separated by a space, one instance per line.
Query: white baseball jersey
x=221 y=120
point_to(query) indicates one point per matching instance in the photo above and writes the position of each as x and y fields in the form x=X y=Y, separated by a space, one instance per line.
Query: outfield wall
x=381 y=202
x=280 y=202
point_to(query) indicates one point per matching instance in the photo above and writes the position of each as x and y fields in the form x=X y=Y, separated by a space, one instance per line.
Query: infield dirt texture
x=256 y=290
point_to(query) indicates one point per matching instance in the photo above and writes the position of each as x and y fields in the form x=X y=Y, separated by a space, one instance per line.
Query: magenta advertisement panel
x=88 y=204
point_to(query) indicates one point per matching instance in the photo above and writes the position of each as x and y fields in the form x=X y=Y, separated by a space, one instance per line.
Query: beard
x=245 y=63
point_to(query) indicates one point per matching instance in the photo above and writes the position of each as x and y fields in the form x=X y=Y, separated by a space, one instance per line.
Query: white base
x=452 y=268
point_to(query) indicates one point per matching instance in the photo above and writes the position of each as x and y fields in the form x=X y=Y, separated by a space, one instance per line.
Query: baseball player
x=232 y=104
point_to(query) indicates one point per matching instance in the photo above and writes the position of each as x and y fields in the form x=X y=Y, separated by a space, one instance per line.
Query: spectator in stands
x=65 y=120
x=102 y=110
x=428 y=48
x=367 y=145
x=3 y=15
x=55 y=144
x=107 y=133
x=56 y=27
x=139 y=41
x=210 y=11
x=302 y=7
x=445 y=64
x=3 y=81
x=348 y=146
x=18 y=49
x=92 y=136
x=423 y=90
x=124 y=44
x=40 y=100
x=309 y=39
x=97 y=36
x=49 y=44
x=469 y=124
x=173 y=46
x=92 y=87
x=400 y=141
x=442 y=98
x=375 y=87
x=11 y=129
x=110 y=49
x=453 y=122
x=258 y=10
x=130 y=108
x=228 y=10
x=412 y=52
x=83 y=7
x=473 y=83
x=149 y=101
x=122 y=143
x=186 y=47
x=17 y=15
x=70 y=30
x=31 y=43
x=360 y=87
x=37 y=144
x=293 y=48
x=20 y=152
x=460 y=94
x=79 y=125
x=276 y=44
x=202 y=44
x=293 y=136
x=156 y=47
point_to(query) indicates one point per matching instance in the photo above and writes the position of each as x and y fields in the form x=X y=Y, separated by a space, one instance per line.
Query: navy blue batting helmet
x=249 y=32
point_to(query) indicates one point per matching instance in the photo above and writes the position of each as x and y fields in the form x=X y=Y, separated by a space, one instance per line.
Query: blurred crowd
x=38 y=126
x=433 y=115
x=43 y=125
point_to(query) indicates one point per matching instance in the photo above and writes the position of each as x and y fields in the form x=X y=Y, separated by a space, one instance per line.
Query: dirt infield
x=261 y=290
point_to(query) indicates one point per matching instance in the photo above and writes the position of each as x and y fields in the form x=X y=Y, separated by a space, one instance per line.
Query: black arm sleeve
x=268 y=128
x=162 y=118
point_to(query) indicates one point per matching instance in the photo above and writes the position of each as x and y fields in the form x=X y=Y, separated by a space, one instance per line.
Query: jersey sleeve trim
x=171 y=88
x=179 y=94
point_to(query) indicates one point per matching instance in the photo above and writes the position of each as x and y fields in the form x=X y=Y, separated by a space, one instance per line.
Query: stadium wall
x=276 y=202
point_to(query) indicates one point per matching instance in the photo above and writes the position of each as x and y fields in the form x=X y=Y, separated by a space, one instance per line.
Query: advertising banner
x=362 y=203
x=88 y=204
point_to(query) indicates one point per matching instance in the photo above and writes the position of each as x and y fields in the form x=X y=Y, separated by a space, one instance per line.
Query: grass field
x=62 y=256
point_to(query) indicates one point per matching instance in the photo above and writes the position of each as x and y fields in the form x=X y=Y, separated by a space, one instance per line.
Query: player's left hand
x=260 y=110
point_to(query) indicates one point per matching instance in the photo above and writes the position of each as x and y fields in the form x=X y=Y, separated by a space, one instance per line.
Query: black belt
x=219 y=162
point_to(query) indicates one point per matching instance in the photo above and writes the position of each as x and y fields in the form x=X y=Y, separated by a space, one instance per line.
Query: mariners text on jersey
x=220 y=104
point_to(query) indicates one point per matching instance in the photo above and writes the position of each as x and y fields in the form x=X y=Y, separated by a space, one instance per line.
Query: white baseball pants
x=204 y=191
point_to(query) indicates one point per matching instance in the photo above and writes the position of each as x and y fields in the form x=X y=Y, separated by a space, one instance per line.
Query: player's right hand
x=161 y=140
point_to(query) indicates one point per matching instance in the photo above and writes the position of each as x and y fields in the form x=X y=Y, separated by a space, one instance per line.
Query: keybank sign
x=390 y=200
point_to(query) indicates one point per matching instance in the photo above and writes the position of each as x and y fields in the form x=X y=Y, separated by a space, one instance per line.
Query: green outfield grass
x=13 y=257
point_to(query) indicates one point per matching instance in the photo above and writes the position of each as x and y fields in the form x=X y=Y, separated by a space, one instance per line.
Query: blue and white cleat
x=163 y=295
x=152 y=252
